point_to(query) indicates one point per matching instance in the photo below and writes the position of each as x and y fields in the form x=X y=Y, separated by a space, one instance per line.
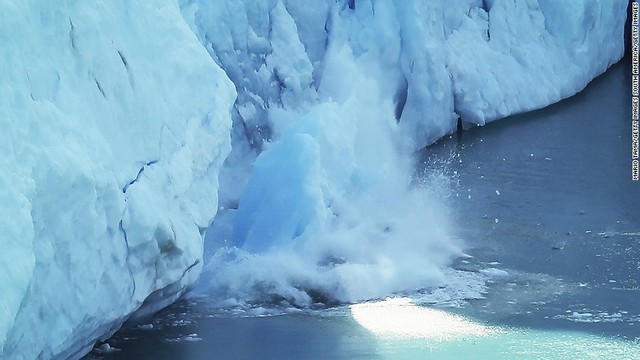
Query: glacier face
x=115 y=123
x=117 y=120
x=480 y=60
x=333 y=96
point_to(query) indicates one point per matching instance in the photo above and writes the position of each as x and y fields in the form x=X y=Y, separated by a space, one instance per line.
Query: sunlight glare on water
x=407 y=330
x=401 y=317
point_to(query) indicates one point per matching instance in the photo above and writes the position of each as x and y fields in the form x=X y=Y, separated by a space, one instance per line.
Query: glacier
x=128 y=126
x=115 y=123
x=333 y=99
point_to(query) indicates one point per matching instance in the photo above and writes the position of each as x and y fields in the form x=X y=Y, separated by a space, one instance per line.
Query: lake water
x=545 y=204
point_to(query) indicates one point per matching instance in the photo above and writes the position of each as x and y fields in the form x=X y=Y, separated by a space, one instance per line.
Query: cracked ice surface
x=112 y=137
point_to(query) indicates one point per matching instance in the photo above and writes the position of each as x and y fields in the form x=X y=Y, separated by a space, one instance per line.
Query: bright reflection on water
x=406 y=330
x=401 y=317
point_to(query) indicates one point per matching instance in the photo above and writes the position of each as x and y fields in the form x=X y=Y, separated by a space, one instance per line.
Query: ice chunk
x=495 y=272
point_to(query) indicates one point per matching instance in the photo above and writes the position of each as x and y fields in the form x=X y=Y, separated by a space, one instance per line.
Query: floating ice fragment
x=494 y=272
x=106 y=349
x=581 y=315
x=607 y=234
x=192 y=338
x=188 y=338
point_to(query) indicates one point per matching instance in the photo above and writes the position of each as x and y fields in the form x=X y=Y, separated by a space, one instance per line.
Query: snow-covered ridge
x=115 y=122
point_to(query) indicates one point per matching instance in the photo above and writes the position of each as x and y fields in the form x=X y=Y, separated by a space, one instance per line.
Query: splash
x=331 y=212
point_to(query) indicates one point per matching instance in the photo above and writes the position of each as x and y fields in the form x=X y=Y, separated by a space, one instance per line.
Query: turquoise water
x=194 y=332
x=515 y=344
x=410 y=331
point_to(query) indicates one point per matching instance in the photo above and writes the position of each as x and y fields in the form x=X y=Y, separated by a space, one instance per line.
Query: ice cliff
x=116 y=120
x=333 y=96
x=480 y=60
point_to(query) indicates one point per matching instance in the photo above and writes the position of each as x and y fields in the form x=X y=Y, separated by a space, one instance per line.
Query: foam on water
x=331 y=212
x=372 y=232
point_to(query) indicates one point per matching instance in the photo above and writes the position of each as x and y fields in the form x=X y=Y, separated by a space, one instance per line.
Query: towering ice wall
x=334 y=95
x=114 y=121
x=479 y=60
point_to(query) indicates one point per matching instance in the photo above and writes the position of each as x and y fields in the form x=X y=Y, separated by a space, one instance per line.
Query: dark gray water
x=550 y=192
x=546 y=198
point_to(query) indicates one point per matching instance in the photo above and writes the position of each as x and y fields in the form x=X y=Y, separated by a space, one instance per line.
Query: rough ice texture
x=332 y=95
x=115 y=121
x=480 y=60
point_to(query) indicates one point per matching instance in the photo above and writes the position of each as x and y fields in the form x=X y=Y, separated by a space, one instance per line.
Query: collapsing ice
x=319 y=204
